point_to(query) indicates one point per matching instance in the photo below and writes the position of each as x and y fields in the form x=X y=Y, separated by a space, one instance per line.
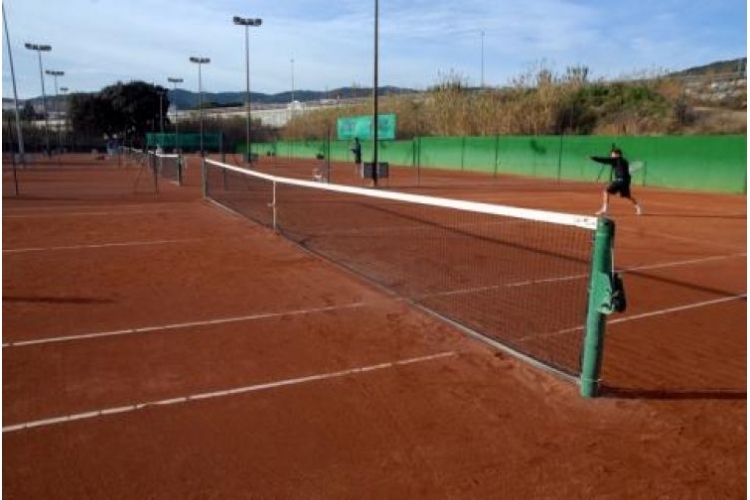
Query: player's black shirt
x=619 y=164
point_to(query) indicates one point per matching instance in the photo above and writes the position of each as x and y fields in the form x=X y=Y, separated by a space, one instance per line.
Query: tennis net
x=518 y=277
x=169 y=166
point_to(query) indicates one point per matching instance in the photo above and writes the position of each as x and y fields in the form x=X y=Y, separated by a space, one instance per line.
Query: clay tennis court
x=159 y=346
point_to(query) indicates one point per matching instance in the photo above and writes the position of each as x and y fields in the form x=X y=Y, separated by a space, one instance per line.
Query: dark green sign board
x=361 y=127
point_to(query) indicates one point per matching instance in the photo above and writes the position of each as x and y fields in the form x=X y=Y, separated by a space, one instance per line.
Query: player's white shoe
x=638 y=210
x=602 y=211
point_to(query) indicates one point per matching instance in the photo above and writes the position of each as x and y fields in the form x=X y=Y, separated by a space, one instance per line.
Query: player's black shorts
x=619 y=186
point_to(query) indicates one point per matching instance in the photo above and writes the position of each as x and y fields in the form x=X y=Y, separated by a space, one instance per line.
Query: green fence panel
x=397 y=152
x=704 y=163
x=480 y=154
x=442 y=152
x=188 y=140
x=536 y=156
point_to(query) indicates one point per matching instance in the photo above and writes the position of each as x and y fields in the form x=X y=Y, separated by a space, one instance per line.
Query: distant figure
x=357 y=150
x=320 y=172
x=621 y=182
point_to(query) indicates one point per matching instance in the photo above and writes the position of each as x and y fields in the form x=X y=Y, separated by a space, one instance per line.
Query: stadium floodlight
x=54 y=74
x=247 y=22
x=200 y=61
x=174 y=81
x=39 y=49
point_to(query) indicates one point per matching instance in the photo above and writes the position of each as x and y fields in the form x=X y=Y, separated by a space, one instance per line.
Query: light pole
x=247 y=22
x=482 y=80
x=21 y=150
x=200 y=61
x=161 y=113
x=174 y=82
x=64 y=90
x=375 y=105
x=39 y=49
x=292 y=80
x=54 y=74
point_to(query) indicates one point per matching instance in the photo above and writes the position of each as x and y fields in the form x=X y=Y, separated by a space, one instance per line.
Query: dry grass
x=540 y=103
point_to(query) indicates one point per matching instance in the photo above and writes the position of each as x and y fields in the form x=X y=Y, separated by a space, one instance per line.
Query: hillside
x=730 y=67
x=189 y=99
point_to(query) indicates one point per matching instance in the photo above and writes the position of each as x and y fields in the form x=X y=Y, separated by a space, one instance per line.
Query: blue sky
x=100 y=42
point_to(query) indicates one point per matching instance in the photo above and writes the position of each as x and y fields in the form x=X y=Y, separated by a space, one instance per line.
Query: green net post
x=599 y=294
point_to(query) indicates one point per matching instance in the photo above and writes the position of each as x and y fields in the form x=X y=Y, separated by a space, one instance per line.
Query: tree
x=126 y=110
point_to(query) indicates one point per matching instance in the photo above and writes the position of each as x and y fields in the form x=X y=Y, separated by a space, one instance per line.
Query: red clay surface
x=151 y=309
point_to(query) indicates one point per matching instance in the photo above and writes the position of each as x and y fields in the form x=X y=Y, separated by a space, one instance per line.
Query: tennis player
x=621 y=182
x=357 y=150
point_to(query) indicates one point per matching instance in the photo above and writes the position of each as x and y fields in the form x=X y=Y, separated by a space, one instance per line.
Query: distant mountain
x=732 y=66
x=187 y=99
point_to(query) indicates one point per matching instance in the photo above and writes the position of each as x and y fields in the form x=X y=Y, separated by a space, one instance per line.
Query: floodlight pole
x=375 y=105
x=39 y=49
x=54 y=74
x=200 y=61
x=21 y=151
x=174 y=82
x=482 y=79
x=247 y=22
x=64 y=90
x=292 y=61
x=161 y=114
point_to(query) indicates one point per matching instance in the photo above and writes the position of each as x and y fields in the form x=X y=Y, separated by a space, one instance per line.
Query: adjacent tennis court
x=156 y=344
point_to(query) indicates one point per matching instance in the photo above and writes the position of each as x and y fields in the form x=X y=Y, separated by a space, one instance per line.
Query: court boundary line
x=224 y=393
x=259 y=316
x=97 y=214
x=101 y=245
x=178 y=326
x=674 y=309
x=647 y=314
x=669 y=236
x=573 y=277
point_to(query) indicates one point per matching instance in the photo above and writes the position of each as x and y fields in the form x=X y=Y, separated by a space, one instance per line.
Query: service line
x=85 y=214
x=102 y=245
x=648 y=314
x=177 y=326
x=223 y=393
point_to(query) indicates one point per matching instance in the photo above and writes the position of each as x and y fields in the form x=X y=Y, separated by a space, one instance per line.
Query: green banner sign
x=360 y=127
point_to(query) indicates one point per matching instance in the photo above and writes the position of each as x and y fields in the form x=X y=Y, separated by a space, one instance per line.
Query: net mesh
x=169 y=167
x=519 y=281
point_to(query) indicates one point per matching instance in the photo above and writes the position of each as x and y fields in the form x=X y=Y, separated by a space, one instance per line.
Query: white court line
x=677 y=309
x=649 y=314
x=126 y=207
x=176 y=326
x=703 y=241
x=103 y=245
x=572 y=277
x=683 y=262
x=223 y=393
x=85 y=214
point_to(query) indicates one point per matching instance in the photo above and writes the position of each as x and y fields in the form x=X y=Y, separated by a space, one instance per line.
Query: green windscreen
x=360 y=127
